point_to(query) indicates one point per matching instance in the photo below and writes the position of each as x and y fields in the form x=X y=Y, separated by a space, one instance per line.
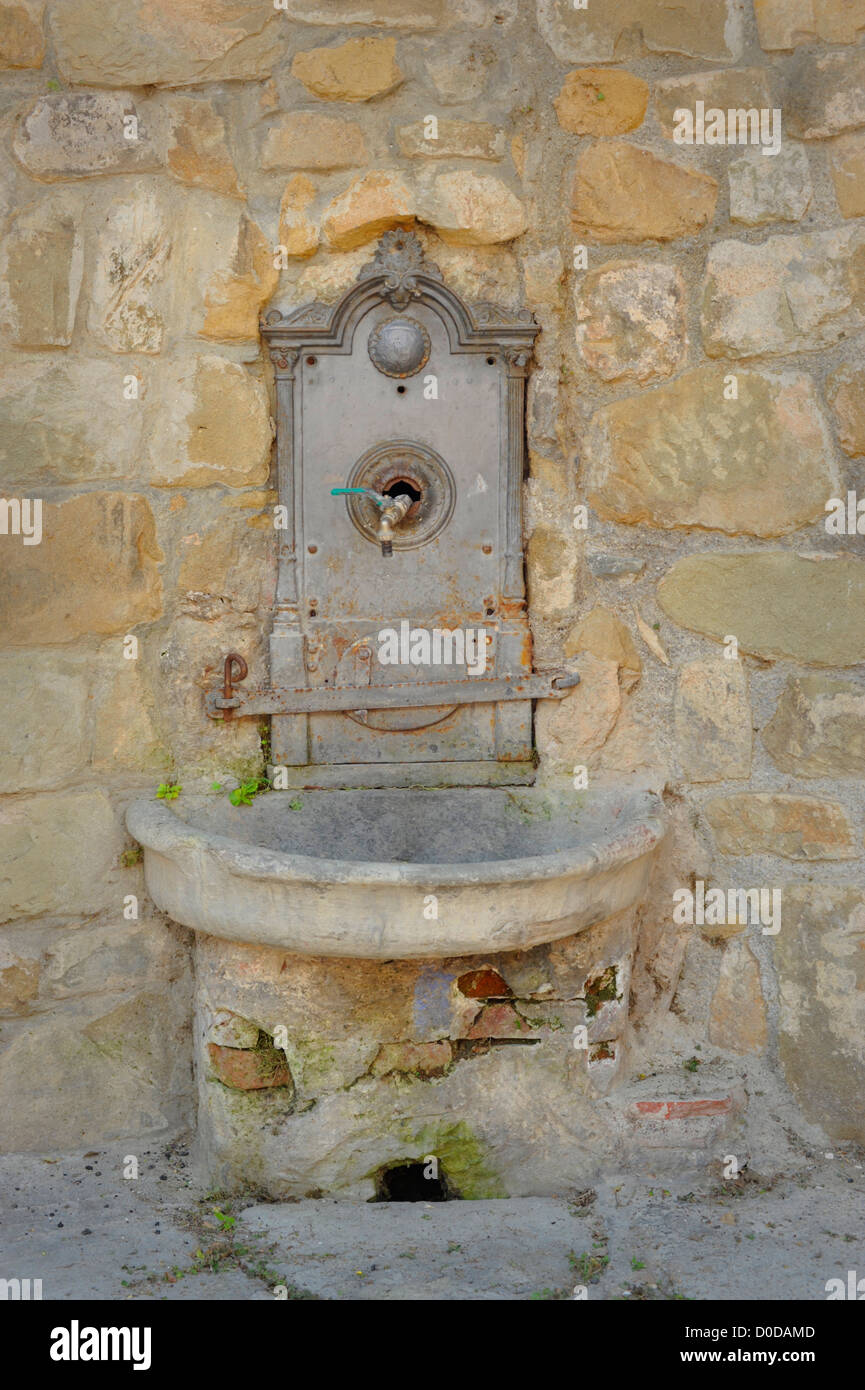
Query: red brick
x=500 y=1021
x=684 y=1109
x=248 y=1069
x=483 y=984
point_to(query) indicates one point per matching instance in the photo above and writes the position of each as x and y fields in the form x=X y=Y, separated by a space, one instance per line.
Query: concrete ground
x=88 y=1232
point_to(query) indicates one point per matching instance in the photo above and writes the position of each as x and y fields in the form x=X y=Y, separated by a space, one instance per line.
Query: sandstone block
x=787 y=24
x=764 y=189
x=795 y=827
x=788 y=294
x=631 y=320
x=737 y=1018
x=684 y=455
x=19 y=980
x=818 y=728
x=846 y=394
x=454 y=140
x=22 y=41
x=820 y=956
x=388 y=14
x=712 y=720
x=298 y=233
x=306 y=140
x=469 y=209
x=41 y=265
x=728 y=89
x=129 y=296
x=371 y=205
x=45 y=699
x=197 y=150
x=847 y=167
x=601 y=101
x=712 y=31
x=825 y=94
x=234 y=296
x=75 y=135
x=49 y=429
x=94 y=572
x=356 y=70
x=571 y=731
x=606 y=637
x=622 y=193
x=57 y=850
x=213 y=426
x=114 y=43
x=805 y=608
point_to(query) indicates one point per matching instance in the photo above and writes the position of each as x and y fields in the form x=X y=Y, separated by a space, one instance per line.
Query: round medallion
x=399 y=346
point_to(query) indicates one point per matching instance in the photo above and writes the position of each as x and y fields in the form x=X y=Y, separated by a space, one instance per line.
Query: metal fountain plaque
x=402 y=393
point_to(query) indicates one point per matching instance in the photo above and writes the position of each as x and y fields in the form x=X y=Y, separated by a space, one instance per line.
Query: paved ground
x=87 y=1232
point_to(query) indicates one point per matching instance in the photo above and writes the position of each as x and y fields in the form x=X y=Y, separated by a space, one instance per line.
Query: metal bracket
x=321 y=699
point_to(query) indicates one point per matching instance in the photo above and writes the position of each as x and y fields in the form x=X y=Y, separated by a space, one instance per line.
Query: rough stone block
x=631 y=320
x=712 y=720
x=93 y=572
x=686 y=454
x=625 y=194
x=787 y=294
x=796 y=827
x=778 y=605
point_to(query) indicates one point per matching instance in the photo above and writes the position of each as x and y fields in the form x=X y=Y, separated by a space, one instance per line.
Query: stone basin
x=398 y=873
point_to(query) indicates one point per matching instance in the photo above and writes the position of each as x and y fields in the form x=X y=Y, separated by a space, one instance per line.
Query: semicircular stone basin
x=398 y=873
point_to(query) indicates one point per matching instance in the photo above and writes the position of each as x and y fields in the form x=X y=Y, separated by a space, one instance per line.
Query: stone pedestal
x=317 y=1076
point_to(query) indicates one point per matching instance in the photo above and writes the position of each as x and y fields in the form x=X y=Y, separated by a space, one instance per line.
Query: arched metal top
x=399 y=273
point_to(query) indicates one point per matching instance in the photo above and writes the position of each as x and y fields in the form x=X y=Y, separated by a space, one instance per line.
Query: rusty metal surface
x=399 y=386
x=316 y=699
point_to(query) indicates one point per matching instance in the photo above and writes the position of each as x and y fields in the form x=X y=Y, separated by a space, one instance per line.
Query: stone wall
x=166 y=170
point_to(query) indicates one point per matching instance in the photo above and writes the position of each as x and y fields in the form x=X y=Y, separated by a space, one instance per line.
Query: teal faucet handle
x=364 y=492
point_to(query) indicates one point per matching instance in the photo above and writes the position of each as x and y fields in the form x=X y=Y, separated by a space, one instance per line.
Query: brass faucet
x=393 y=509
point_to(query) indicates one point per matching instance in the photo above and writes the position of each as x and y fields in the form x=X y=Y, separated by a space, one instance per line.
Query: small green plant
x=637 y=1264
x=216 y=786
x=168 y=791
x=590 y=1267
x=691 y=1064
x=600 y=97
x=295 y=805
x=227 y=1222
x=244 y=794
x=264 y=739
x=130 y=857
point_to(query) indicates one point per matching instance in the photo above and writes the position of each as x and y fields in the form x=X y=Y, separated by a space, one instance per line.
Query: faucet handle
x=376 y=497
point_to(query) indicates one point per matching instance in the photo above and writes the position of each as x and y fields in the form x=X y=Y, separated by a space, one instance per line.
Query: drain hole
x=405 y=1182
x=402 y=488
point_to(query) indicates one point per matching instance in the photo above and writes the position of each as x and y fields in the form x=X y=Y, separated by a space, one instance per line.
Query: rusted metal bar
x=234 y=659
x=329 y=699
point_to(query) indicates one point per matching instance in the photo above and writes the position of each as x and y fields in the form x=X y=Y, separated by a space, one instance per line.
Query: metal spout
x=390 y=517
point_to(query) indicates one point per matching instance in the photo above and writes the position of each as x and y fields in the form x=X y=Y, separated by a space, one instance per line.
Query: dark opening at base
x=413 y=1182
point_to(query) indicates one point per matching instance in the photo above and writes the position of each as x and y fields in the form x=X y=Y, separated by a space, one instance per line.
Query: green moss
x=269 y=1059
x=462 y=1158
x=601 y=989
